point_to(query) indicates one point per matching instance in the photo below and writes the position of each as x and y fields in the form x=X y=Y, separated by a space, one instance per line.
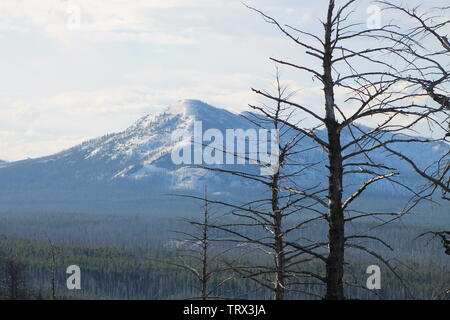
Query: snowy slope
x=135 y=166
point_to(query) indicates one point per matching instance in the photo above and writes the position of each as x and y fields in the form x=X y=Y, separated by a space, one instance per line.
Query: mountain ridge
x=135 y=166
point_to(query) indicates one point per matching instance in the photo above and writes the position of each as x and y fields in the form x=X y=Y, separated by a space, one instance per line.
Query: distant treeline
x=109 y=272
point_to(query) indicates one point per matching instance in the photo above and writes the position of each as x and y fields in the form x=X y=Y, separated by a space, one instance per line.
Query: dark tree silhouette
x=369 y=84
x=196 y=255
x=14 y=282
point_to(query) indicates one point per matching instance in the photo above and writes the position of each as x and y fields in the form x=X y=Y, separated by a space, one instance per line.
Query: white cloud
x=98 y=20
x=40 y=126
x=21 y=145
x=60 y=84
x=154 y=21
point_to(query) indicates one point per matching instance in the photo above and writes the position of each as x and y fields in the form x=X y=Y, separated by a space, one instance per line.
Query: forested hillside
x=136 y=273
x=135 y=257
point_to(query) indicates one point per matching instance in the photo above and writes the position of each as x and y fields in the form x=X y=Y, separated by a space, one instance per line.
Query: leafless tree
x=272 y=223
x=426 y=49
x=196 y=255
x=53 y=266
x=370 y=88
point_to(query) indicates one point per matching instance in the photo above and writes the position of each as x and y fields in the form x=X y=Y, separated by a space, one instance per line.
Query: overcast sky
x=77 y=69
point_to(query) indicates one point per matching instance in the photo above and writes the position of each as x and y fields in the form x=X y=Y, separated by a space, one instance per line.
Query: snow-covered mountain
x=133 y=169
x=129 y=167
x=144 y=149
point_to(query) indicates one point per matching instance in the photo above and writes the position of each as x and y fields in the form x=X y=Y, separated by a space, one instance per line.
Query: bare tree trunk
x=335 y=259
x=53 y=279
x=279 y=241
x=204 y=277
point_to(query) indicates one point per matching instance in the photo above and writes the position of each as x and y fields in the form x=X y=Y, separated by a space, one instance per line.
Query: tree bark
x=335 y=259
x=205 y=238
x=279 y=246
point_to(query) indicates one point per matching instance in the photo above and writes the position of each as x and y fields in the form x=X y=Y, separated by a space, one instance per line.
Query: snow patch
x=147 y=170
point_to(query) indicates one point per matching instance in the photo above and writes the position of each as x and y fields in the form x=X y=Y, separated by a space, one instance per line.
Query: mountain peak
x=186 y=108
x=192 y=107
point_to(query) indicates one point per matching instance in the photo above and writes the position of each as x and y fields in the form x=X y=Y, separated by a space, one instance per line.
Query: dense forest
x=136 y=257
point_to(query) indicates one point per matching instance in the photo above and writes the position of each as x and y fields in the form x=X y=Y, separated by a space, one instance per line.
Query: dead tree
x=53 y=266
x=196 y=255
x=271 y=224
x=426 y=49
x=368 y=92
